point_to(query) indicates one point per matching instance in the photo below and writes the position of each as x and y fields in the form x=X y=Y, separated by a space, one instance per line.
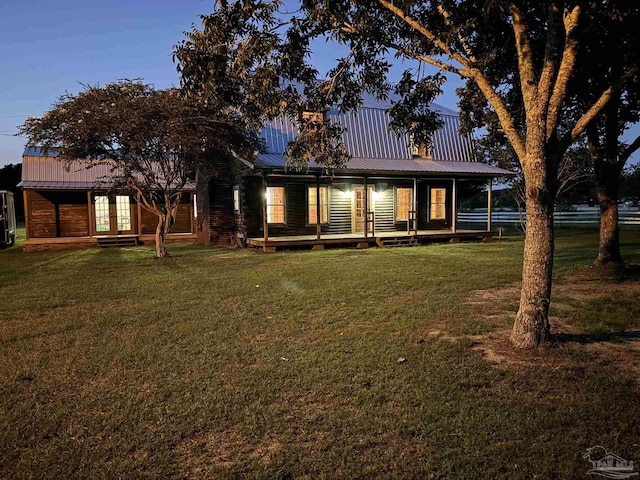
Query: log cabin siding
x=57 y=214
x=149 y=220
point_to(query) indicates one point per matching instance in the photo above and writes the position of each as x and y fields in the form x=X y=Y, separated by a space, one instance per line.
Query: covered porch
x=380 y=239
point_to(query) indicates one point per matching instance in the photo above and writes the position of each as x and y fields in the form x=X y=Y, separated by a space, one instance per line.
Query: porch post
x=27 y=212
x=318 y=227
x=414 y=202
x=454 y=211
x=89 y=213
x=489 y=205
x=366 y=208
x=265 y=223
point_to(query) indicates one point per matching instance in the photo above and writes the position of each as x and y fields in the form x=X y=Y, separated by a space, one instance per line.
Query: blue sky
x=47 y=48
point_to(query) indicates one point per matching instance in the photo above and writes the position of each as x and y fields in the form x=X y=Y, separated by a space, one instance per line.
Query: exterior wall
x=217 y=223
x=149 y=221
x=341 y=206
x=62 y=214
x=53 y=214
x=424 y=222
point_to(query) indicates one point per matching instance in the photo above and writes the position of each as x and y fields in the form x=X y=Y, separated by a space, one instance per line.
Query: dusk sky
x=52 y=47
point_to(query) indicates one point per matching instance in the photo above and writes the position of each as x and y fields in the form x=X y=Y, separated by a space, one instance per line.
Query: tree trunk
x=608 y=190
x=531 y=327
x=160 y=236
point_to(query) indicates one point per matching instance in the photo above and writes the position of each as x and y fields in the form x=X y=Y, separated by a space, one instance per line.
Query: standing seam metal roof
x=367 y=135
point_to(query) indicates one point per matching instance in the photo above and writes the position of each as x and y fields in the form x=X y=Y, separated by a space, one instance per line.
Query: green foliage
x=630 y=188
x=154 y=142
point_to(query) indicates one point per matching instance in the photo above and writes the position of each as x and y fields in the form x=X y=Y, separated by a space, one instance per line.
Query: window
x=324 y=205
x=438 y=208
x=275 y=204
x=236 y=198
x=195 y=206
x=123 y=212
x=102 y=213
x=404 y=201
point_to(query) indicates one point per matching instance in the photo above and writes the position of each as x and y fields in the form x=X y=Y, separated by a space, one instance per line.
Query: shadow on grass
x=598 y=337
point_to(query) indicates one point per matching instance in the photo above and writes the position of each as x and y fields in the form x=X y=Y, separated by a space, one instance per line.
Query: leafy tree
x=630 y=188
x=154 y=141
x=474 y=39
x=613 y=47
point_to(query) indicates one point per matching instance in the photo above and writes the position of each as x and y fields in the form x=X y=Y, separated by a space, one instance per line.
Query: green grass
x=238 y=364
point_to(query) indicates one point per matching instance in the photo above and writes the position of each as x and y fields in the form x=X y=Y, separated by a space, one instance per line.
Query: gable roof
x=374 y=147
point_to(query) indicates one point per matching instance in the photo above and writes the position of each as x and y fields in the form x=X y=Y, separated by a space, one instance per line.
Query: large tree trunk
x=608 y=191
x=161 y=234
x=531 y=327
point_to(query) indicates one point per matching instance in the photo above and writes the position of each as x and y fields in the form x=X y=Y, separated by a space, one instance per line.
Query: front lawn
x=379 y=363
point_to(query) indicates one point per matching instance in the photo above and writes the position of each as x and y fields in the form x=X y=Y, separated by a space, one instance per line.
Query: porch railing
x=412 y=222
x=371 y=223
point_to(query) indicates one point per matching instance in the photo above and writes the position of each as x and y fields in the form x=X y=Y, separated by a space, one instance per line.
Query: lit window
x=404 y=197
x=123 y=212
x=438 y=208
x=103 y=223
x=324 y=205
x=236 y=198
x=275 y=204
x=195 y=206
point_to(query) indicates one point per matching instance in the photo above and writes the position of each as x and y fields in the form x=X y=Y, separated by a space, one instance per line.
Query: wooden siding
x=149 y=221
x=340 y=207
x=384 y=207
x=57 y=214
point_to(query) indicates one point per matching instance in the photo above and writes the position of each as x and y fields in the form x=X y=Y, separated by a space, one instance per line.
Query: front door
x=114 y=215
x=359 y=213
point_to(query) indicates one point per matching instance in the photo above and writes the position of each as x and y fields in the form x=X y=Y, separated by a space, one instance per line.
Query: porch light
x=346 y=193
x=377 y=195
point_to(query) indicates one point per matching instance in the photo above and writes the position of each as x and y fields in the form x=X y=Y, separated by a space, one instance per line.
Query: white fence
x=582 y=216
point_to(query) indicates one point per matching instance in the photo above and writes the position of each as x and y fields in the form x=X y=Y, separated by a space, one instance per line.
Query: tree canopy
x=155 y=142
x=519 y=56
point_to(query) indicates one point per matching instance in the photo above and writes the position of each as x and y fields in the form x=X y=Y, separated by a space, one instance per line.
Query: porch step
x=113 y=242
x=398 y=242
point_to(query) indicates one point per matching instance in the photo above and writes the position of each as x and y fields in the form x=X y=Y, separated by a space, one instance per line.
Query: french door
x=114 y=215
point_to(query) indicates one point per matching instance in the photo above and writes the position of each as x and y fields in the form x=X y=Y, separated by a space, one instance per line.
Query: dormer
x=419 y=149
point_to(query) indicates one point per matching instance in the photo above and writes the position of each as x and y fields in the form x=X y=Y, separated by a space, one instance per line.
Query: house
x=72 y=206
x=390 y=193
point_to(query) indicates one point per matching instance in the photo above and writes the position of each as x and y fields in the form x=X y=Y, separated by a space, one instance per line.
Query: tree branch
x=597 y=107
x=525 y=56
x=628 y=151
x=569 y=56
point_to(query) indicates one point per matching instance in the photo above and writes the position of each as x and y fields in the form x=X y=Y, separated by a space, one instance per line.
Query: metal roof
x=367 y=135
x=398 y=165
x=49 y=172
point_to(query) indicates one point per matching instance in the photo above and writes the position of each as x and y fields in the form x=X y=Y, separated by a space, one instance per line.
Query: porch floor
x=66 y=243
x=361 y=241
